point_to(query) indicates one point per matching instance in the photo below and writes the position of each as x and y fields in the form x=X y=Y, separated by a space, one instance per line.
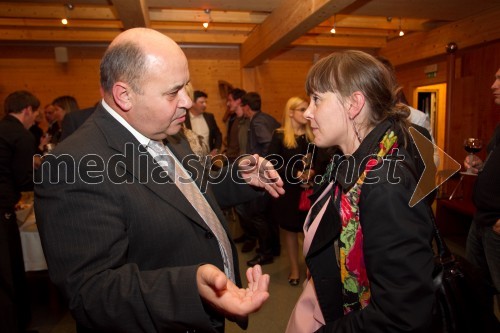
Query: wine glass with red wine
x=472 y=146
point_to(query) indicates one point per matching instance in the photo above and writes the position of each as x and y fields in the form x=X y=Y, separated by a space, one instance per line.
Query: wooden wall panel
x=207 y=67
x=283 y=77
x=474 y=112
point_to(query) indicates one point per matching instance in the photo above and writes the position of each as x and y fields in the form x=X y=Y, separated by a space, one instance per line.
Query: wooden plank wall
x=474 y=114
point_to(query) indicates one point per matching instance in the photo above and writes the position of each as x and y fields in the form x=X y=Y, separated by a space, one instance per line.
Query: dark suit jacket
x=122 y=243
x=397 y=248
x=215 y=137
x=260 y=133
x=73 y=120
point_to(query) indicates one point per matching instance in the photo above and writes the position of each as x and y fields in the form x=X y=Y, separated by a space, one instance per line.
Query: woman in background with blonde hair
x=291 y=145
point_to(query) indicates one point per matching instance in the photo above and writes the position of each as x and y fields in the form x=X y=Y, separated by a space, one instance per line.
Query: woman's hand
x=473 y=163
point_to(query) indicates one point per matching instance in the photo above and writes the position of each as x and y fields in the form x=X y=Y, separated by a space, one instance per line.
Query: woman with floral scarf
x=368 y=253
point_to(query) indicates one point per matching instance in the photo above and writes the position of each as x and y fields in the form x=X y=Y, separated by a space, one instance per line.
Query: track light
x=401 y=32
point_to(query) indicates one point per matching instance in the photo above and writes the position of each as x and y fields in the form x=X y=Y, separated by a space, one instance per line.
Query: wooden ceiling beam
x=72 y=35
x=341 y=41
x=59 y=35
x=190 y=26
x=56 y=23
x=471 y=31
x=132 y=13
x=185 y=15
x=289 y=21
x=379 y=22
x=57 y=11
x=325 y=30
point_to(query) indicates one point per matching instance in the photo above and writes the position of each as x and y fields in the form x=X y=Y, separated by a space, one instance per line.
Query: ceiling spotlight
x=333 y=30
x=70 y=6
x=209 y=18
x=64 y=21
x=401 y=32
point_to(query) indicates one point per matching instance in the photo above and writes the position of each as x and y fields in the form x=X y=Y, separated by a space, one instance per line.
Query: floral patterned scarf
x=356 y=287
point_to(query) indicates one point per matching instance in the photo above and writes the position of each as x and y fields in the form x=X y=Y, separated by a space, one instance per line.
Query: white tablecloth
x=34 y=259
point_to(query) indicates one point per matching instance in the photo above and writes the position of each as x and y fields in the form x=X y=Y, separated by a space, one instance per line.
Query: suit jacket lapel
x=139 y=163
x=200 y=174
x=328 y=229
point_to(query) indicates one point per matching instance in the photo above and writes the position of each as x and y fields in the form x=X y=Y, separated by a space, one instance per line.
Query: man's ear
x=357 y=100
x=123 y=95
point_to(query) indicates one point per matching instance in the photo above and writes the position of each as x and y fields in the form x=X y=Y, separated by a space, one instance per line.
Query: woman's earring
x=356 y=131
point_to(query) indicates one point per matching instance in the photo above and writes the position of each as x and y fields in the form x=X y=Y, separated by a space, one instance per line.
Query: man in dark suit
x=122 y=240
x=73 y=120
x=17 y=147
x=203 y=123
x=255 y=212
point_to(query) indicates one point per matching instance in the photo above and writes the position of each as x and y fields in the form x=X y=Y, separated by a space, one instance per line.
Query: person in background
x=196 y=142
x=17 y=147
x=368 y=253
x=49 y=114
x=73 y=120
x=236 y=123
x=62 y=106
x=416 y=116
x=483 y=240
x=295 y=152
x=256 y=212
x=142 y=246
x=37 y=131
x=237 y=133
x=203 y=123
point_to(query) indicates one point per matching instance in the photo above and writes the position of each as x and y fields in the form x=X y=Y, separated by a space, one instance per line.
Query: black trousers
x=256 y=222
x=15 y=312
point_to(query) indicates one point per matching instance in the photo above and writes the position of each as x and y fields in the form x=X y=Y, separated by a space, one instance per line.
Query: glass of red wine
x=472 y=146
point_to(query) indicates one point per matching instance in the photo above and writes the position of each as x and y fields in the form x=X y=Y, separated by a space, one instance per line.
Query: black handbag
x=464 y=303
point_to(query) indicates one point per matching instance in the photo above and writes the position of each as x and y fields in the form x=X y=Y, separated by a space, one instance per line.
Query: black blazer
x=396 y=243
x=215 y=136
x=73 y=120
x=122 y=243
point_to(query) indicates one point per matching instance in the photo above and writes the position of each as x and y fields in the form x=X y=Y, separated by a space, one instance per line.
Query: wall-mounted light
x=68 y=6
x=401 y=32
x=207 y=22
x=333 y=30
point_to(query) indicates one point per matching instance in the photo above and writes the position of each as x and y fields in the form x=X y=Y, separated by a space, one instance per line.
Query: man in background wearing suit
x=203 y=123
x=122 y=240
x=75 y=119
x=17 y=147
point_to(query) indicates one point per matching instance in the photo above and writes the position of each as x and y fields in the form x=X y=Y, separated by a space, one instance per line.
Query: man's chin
x=174 y=129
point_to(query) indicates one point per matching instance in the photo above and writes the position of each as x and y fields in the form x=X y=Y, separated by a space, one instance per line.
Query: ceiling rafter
x=292 y=19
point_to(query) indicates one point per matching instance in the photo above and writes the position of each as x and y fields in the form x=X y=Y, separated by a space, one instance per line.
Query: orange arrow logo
x=430 y=154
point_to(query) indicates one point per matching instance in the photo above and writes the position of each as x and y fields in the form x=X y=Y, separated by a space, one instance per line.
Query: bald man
x=128 y=248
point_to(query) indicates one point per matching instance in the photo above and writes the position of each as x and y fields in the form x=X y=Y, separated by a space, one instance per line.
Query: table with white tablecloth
x=34 y=259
